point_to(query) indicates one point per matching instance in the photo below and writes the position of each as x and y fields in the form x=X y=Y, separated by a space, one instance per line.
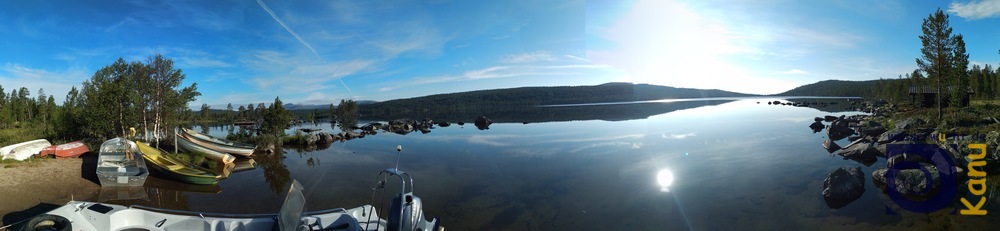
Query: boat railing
x=381 y=179
x=230 y=215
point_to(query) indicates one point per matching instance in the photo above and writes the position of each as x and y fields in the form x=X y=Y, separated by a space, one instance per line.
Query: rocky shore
x=908 y=145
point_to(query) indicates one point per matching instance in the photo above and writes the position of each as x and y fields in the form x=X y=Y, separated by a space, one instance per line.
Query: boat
x=68 y=150
x=218 y=144
x=404 y=212
x=115 y=168
x=23 y=150
x=176 y=169
x=187 y=145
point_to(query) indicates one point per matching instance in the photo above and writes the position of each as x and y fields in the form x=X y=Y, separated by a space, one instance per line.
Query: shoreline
x=31 y=188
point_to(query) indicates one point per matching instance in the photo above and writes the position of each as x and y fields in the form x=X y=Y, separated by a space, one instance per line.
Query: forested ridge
x=487 y=101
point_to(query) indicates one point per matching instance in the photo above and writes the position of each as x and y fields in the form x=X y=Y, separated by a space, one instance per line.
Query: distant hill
x=835 y=88
x=484 y=102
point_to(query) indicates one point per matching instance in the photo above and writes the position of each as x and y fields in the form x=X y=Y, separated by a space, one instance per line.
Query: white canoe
x=22 y=151
x=189 y=146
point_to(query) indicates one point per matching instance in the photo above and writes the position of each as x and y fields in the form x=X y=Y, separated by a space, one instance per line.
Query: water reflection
x=664 y=178
x=276 y=174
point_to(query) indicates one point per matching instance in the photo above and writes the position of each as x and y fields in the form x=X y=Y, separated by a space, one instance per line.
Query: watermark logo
x=945 y=168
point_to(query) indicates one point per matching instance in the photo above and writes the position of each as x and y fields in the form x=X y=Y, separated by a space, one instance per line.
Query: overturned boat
x=22 y=151
x=68 y=150
x=404 y=212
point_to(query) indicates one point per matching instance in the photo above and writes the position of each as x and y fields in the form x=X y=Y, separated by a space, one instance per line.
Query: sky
x=319 y=52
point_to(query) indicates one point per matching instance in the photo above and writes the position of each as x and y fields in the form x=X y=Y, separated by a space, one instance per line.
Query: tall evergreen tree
x=936 y=54
x=960 y=72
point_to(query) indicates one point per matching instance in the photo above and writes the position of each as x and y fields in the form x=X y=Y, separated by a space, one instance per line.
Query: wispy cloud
x=506 y=71
x=795 y=72
x=55 y=83
x=677 y=136
x=530 y=57
x=289 y=29
x=309 y=75
x=977 y=9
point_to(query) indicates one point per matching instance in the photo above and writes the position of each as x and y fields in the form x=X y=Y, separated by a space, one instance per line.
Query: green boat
x=175 y=168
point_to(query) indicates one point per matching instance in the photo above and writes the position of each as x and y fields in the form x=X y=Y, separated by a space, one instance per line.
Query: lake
x=736 y=164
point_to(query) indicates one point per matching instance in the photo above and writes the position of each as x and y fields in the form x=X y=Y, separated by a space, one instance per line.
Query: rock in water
x=843 y=186
x=816 y=126
x=830 y=146
x=911 y=183
x=312 y=138
x=483 y=120
x=863 y=153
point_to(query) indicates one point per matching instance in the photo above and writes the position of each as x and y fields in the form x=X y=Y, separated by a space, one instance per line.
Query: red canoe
x=67 y=150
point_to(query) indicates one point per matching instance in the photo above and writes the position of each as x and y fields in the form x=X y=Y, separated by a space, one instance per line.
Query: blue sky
x=319 y=52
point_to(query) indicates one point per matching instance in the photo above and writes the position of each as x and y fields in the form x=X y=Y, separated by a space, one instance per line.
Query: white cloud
x=977 y=9
x=299 y=73
x=677 y=136
x=57 y=84
x=795 y=72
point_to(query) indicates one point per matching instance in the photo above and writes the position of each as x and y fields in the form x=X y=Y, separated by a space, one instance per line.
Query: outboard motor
x=407 y=216
x=406 y=211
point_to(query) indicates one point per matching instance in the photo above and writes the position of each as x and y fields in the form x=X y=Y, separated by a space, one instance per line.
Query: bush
x=198 y=158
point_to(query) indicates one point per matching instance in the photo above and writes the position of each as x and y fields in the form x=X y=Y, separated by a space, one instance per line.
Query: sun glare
x=664 y=178
x=670 y=43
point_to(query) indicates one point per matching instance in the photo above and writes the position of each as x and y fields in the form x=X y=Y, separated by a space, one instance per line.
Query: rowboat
x=404 y=212
x=67 y=150
x=115 y=168
x=175 y=168
x=23 y=150
x=189 y=146
x=218 y=144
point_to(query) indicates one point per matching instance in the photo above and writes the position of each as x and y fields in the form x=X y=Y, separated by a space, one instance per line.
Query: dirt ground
x=31 y=188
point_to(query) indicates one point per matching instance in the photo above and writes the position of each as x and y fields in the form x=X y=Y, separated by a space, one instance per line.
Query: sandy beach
x=30 y=188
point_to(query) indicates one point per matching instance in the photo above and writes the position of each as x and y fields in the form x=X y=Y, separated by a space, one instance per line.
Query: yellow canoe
x=176 y=169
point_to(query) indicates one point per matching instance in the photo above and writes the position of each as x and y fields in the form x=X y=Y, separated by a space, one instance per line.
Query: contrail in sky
x=297 y=37
x=289 y=29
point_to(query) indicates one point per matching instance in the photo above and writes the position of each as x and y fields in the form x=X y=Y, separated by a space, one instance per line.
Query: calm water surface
x=737 y=165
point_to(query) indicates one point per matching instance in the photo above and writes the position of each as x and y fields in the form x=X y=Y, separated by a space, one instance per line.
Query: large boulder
x=909 y=122
x=325 y=137
x=839 y=130
x=861 y=152
x=483 y=120
x=830 y=146
x=829 y=118
x=843 y=186
x=312 y=138
x=911 y=183
x=892 y=136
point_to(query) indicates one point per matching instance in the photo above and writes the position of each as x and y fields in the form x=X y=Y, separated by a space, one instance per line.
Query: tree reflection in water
x=276 y=174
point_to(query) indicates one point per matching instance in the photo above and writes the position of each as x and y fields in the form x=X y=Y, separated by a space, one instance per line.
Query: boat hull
x=24 y=150
x=67 y=150
x=189 y=146
x=218 y=144
x=175 y=168
x=96 y=216
x=114 y=168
